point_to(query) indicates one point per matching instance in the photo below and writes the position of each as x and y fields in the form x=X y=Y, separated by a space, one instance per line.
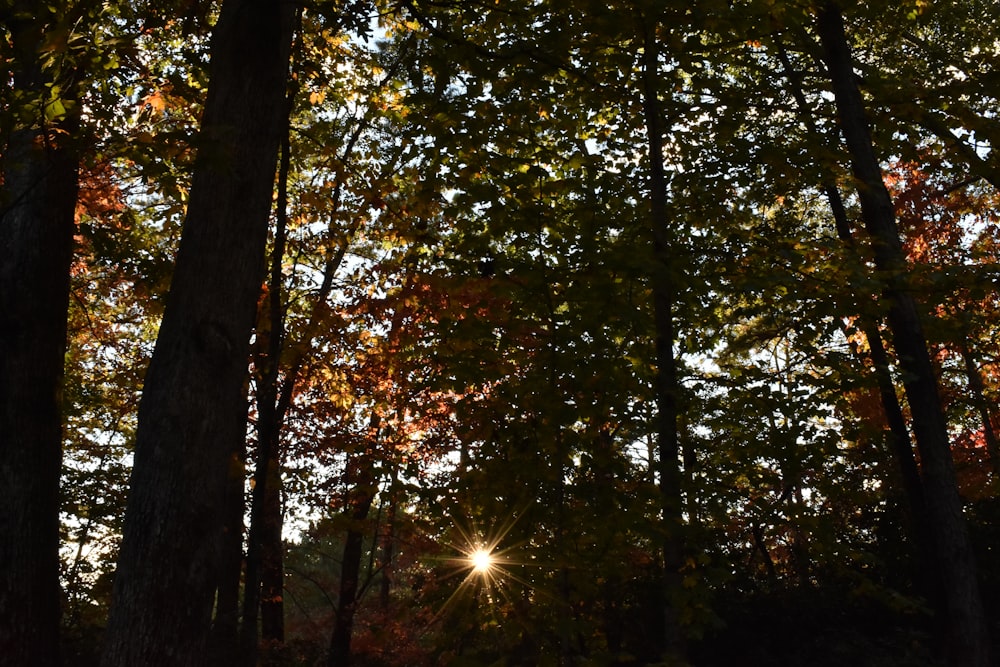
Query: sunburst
x=479 y=557
x=482 y=561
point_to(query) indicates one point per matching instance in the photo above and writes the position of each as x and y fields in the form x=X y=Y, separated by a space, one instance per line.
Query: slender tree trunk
x=666 y=365
x=362 y=478
x=36 y=245
x=760 y=546
x=264 y=586
x=265 y=571
x=359 y=504
x=194 y=405
x=389 y=543
x=978 y=390
x=272 y=581
x=966 y=623
x=559 y=458
x=559 y=543
x=899 y=442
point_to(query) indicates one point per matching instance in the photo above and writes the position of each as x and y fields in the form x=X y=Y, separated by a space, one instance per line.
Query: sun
x=482 y=560
x=485 y=559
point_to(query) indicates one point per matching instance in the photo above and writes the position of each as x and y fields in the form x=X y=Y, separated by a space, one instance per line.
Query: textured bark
x=968 y=640
x=194 y=405
x=36 y=240
x=225 y=629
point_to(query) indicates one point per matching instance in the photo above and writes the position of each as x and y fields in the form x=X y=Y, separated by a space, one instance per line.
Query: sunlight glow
x=486 y=567
x=482 y=560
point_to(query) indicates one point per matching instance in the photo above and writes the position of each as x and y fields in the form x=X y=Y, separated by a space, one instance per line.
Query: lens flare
x=482 y=560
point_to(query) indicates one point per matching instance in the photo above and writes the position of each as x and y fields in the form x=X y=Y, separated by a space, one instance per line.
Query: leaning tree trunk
x=37 y=205
x=968 y=639
x=898 y=440
x=194 y=404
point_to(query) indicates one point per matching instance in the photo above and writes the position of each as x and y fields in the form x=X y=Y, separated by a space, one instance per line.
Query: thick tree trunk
x=36 y=244
x=666 y=365
x=194 y=405
x=966 y=624
x=225 y=629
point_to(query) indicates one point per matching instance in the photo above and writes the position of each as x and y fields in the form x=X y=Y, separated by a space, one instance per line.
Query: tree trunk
x=272 y=580
x=36 y=246
x=264 y=547
x=194 y=405
x=264 y=587
x=899 y=442
x=978 y=389
x=388 y=538
x=666 y=365
x=358 y=506
x=225 y=630
x=968 y=638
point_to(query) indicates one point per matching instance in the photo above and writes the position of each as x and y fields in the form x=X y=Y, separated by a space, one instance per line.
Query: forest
x=402 y=333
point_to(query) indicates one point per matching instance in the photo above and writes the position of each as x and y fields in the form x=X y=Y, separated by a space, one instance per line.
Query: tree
x=576 y=280
x=967 y=630
x=264 y=574
x=193 y=408
x=37 y=224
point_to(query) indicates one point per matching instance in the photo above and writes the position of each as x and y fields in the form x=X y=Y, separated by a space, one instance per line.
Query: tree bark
x=225 y=629
x=388 y=539
x=36 y=247
x=194 y=404
x=967 y=634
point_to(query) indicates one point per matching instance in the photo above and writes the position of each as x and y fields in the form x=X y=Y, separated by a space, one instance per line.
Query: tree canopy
x=474 y=333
